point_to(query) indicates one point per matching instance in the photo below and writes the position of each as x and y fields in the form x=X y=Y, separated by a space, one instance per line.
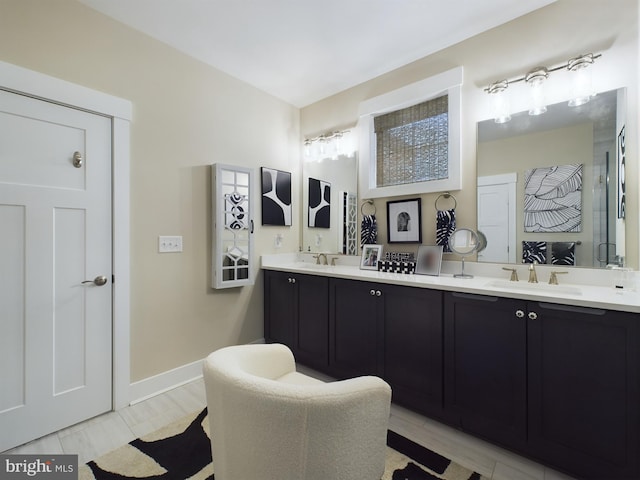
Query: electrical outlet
x=169 y=244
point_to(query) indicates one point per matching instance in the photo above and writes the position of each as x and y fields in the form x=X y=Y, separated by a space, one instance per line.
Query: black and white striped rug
x=182 y=451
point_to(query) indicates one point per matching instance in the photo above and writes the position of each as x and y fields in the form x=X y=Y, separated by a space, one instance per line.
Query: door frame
x=22 y=81
x=510 y=180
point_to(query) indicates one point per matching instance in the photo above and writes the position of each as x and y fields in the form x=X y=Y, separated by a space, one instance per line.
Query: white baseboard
x=165 y=381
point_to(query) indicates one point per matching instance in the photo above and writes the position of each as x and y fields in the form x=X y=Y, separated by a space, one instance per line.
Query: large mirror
x=338 y=181
x=548 y=185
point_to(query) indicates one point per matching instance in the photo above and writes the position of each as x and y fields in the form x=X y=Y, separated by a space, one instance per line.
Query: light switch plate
x=169 y=244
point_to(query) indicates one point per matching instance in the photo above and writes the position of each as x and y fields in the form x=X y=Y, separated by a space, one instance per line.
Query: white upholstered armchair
x=269 y=422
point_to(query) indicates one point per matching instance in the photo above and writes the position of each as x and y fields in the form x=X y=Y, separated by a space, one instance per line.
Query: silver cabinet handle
x=77 y=159
x=533 y=315
x=519 y=313
x=372 y=292
x=292 y=280
x=378 y=293
x=99 y=281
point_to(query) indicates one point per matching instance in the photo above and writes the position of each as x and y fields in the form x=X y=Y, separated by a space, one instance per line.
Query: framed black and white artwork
x=276 y=197
x=621 y=175
x=319 y=203
x=553 y=199
x=403 y=221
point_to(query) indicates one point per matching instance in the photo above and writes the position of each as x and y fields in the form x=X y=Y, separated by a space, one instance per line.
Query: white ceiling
x=302 y=51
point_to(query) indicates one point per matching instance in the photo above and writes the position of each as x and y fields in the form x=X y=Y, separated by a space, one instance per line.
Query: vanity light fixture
x=581 y=88
x=581 y=75
x=328 y=145
x=535 y=79
x=499 y=101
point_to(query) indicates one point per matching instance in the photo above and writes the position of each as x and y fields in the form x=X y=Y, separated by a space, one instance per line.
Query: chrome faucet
x=533 y=276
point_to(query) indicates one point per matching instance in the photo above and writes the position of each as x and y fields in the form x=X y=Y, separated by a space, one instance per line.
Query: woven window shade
x=412 y=143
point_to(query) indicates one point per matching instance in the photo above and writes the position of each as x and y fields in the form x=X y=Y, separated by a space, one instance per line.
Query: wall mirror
x=341 y=236
x=548 y=185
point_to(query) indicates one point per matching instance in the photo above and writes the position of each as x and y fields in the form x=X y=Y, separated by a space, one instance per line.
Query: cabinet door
x=485 y=366
x=355 y=328
x=413 y=347
x=312 y=325
x=279 y=307
x=583 y=390
x=232 y=245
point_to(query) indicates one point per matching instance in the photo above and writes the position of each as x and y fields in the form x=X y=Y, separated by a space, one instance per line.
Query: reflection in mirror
x=547 y=185
x=341 y=236
x=464 y=242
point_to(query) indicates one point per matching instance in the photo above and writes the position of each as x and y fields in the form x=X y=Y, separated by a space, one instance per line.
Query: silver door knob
x=99 y=280
x=372 y=292
x=519 y=313
x=533 y=316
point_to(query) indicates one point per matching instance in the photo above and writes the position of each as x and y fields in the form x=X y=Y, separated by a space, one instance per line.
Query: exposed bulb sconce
x=328 y=145
x=581 y=73
x=535 y=79
x=581 y=89
x=499 y=101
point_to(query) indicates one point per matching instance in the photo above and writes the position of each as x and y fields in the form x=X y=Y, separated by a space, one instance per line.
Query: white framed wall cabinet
x=232 y=248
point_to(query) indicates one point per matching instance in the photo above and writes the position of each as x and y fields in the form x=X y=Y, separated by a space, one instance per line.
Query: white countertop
x=595 y=288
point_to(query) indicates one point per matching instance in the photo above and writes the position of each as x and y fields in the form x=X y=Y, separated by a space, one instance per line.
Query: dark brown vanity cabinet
x=485 y=362
x=557 y=383
x=390 y=331
x=583 y=381
x=296 y=314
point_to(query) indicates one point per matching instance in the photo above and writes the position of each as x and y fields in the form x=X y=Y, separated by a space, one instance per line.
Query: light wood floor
x=106 y=432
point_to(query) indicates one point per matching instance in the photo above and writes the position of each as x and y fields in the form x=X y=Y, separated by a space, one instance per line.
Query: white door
x=495 y=220
x=55 y=224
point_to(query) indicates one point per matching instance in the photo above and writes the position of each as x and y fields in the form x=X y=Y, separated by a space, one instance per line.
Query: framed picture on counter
x=371 y=255
x=429 y=260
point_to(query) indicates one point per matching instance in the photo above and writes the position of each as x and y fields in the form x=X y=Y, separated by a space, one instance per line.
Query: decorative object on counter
x=429 y=260
x=563 y=253
x=394 y=266
x=553 y=199
x=400 y=256
x=445 y=222
x=371 y=256
x=464 y=242
x=276 y=197
x=621 y=173
x=319 y=203
x=369 y=226
x=404 y=221
x=534 y=251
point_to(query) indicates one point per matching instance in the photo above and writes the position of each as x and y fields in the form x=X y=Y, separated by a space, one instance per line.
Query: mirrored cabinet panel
x=232 y=249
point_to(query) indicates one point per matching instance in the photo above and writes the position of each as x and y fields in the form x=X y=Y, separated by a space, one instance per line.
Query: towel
x=533 y=251
x=445 y=226
x=368 y=230
x=563 y=253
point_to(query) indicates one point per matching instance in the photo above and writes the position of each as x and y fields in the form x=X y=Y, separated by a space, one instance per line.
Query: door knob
x=99 y=281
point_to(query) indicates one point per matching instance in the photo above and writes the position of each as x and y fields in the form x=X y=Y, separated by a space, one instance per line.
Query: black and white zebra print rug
x=182 y=451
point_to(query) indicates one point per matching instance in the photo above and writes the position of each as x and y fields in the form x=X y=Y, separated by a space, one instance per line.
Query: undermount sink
x=315 y=266
x=535 y=287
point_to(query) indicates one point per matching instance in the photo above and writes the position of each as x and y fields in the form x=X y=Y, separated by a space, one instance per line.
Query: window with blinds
x=412 y=144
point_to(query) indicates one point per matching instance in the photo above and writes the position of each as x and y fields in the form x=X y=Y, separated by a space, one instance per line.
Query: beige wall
x=549 y=36
x=185 y=116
